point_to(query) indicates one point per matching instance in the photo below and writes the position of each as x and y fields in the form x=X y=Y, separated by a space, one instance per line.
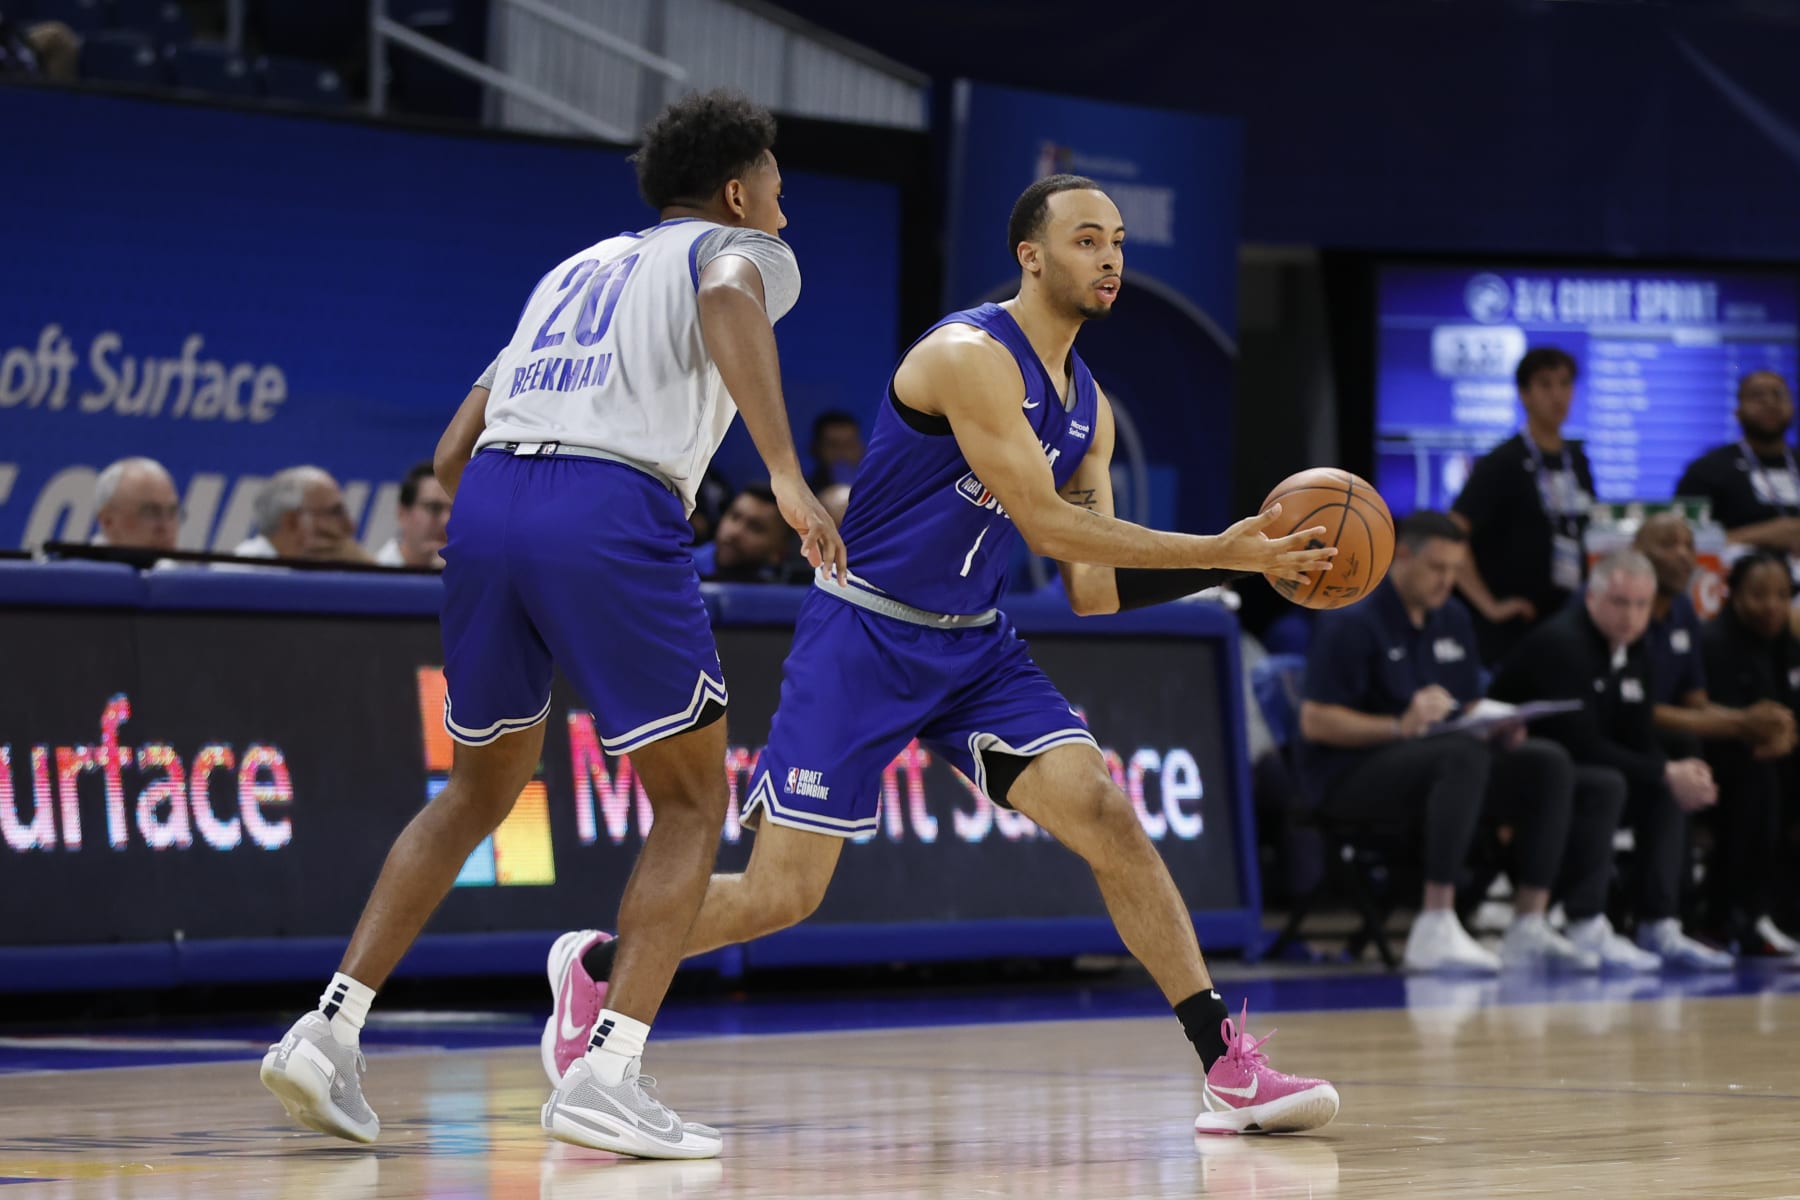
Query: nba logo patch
x=793 y=777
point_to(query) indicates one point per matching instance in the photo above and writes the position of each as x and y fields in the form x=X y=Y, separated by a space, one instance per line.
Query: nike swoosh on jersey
x=1032 y=403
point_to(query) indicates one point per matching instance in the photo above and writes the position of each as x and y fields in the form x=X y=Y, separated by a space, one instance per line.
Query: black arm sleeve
x=1140 y=587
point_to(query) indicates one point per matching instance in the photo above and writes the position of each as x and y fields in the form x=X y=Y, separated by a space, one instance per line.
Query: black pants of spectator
x=1599 y=806
x=1749 y=828
x=1444 y=783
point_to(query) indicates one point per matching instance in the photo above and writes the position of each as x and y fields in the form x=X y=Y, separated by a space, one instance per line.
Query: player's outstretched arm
x=734 y=322
x=964 y=375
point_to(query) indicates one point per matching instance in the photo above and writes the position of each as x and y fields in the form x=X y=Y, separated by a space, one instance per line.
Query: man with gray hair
x=300 y=513
x=1596 y=652
x=137 y=506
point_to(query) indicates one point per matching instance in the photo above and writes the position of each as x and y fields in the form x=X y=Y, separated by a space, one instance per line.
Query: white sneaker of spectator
x=1616 y=953
x=1439 y=944
x=1665 y=939
x=1531 y=945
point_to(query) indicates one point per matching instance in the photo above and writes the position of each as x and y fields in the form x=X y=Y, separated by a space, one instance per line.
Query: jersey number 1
x=603 y=287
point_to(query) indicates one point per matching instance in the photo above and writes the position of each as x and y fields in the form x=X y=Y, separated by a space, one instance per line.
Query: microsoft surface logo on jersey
x=518 y=853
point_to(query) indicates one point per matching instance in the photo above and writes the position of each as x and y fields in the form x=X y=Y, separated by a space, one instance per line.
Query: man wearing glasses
x=420 y=522
x=137 y=506
x=300 y=513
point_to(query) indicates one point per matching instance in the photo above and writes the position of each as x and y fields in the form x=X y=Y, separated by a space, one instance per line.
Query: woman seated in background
x=1751 y=655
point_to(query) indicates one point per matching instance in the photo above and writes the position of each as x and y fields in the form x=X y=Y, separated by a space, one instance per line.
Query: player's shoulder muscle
x=953 y=365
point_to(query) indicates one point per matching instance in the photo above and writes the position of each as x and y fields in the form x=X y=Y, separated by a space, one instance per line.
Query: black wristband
x=1140 y=587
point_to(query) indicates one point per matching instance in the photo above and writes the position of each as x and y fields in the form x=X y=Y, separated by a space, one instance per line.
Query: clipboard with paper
x=1486 y=715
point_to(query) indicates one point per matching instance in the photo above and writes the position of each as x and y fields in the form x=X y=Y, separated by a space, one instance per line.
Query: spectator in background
x=137 y=506
x=1753 y=484
x=836 y=499
x=47 y=48
x=837 y=449
x=711 y=499
x=1753 y=660
x=1525 y=511
x=1379 y=676
x=1684 y=712
x=423 y=513
x=300 y=513
x=752 y=543
x=1596 y=652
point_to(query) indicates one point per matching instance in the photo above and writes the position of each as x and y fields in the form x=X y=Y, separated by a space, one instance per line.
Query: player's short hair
x=1543 y=358
x=1422 y=526
x=698 y=144
x=1033 y=207
x=409 y=487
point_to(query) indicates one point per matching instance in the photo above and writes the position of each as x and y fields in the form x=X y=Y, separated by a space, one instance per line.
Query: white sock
x=616 y=1042
x=345 y=1004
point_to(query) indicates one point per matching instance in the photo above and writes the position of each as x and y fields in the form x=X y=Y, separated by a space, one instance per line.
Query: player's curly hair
x=698 y=144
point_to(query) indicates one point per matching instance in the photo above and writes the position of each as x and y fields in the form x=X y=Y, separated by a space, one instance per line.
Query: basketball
x=1356 y=521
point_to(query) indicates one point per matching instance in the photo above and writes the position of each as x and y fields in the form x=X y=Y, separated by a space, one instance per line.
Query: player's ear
x=735 y=198
x=1027 y=253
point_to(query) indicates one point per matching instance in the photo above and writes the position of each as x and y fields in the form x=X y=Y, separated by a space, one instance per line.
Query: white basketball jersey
x=608 y=353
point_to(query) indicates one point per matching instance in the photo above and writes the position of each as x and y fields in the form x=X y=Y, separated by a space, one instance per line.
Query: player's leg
x=1010 y=730
x=497 y=671
x=816 y=783
x=1069 y=792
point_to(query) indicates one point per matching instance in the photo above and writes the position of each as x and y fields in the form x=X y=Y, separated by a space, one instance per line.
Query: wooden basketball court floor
x=1616 y=1091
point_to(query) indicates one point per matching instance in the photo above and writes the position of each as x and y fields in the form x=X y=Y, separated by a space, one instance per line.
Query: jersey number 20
x=603 y=287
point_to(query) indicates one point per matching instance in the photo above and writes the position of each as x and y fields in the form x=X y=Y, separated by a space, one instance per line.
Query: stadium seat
x=212 y=69
x=302 y=82
x=83 y=16
x=121 y=56
x=321 y=29
x=165 y=21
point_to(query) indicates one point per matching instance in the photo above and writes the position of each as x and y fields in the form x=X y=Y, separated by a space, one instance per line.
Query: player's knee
x=1107 y=811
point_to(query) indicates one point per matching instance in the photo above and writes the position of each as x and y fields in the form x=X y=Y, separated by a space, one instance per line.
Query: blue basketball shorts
x=858 y=686
x=582 y=564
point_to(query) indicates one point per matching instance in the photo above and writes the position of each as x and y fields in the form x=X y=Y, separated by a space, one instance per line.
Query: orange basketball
x=1356 y=521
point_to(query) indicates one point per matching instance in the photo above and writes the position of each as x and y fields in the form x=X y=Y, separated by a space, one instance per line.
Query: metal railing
x=384 y=31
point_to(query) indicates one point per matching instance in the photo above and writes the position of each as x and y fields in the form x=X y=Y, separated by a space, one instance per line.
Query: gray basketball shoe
x=625 y=1119
x=318 y=1080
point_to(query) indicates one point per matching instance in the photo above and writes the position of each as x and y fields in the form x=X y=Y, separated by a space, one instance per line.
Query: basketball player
x=992 y=429
x=569 y=545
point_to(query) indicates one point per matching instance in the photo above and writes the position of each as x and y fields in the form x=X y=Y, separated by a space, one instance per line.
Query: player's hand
x=1513 y=608
x=819 y=539
x=1691 y=780
x=1247 y=546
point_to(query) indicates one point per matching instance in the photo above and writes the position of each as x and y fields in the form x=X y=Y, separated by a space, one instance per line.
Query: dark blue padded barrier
x=71 y=585
x=232 y=666
x=318 y=593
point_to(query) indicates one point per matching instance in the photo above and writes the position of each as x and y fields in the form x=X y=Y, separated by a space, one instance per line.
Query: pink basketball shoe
x=1245 y=1095
x=578 y=1001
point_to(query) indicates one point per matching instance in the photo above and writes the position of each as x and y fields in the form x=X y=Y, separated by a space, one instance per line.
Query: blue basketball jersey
x=921 y=527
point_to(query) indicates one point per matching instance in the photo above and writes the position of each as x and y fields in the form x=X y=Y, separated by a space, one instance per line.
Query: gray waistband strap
x=566 y=449
x=888 y=607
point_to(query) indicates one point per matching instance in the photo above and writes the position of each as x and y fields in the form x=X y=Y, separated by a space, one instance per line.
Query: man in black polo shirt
x=1754 y=483
x=1379 y=676
x=1597 y=652
x=1525 y=511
